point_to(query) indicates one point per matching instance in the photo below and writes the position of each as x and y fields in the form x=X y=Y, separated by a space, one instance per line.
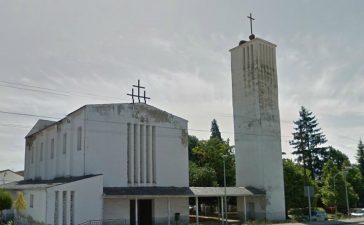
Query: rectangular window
x=141 y=154
x=136 y=169
x=32 y=157
x=148 y=148
x=64 y=143
x=56 y=200
x=52 y=148
x=64 y=208
x=129 y=160
x=31 y=201
x=79 y=138
x=41 y=152
x=154 y=162
x=72 y=208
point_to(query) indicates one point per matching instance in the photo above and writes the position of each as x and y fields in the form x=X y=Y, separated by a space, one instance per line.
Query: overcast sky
x=56 y=56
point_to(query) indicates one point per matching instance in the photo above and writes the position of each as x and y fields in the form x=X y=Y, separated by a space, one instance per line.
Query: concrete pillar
x=136 y=211
x=197 y=221
x=222 y=210
x=169 y=211
x=244 y=208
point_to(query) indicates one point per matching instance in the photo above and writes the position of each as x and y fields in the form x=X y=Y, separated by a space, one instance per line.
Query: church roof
x=44 y=124
x=42 y=184
x=40 y=125
x=182 y=191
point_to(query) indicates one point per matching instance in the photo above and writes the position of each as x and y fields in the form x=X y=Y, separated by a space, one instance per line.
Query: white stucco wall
x=38 y=211
x=44 y=166
x=259 y=207
x=106 y=143
x=257 y=123
x=87 y=204
x=116 y=209
x=177 y=205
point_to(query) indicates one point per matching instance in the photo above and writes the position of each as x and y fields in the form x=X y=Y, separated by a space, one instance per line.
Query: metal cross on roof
x=138 y=95
x=251 y=23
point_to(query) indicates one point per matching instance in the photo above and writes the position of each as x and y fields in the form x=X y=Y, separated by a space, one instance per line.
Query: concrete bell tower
x=256 y=122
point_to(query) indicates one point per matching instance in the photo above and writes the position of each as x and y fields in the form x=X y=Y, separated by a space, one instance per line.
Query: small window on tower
x=64 y=143
x=41 y=152
x=79 y=138
x=52 y=148
x=32 y=157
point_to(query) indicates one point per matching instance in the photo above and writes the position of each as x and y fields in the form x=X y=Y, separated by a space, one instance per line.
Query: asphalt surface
x=354 y=220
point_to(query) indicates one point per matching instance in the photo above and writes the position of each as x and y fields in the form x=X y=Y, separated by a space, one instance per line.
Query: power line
x=27 y=114
x=34 y=88
x=28 y=87
x=116 y=122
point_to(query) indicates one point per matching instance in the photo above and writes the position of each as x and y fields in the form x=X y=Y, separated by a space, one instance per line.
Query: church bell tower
x=256 y=121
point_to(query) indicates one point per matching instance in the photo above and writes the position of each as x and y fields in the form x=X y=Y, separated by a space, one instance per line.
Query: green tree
x=333 y=187
x=294 y=181
x=202 y=176
x=355 y=178
x=5 y=201
x=339 y=159
x=192 y=143
x=307 y=139
x=360 y=157
x=209 y=154
x=215 y=131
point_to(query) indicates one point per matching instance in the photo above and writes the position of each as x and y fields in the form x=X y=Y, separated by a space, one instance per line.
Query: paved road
x=355 y=220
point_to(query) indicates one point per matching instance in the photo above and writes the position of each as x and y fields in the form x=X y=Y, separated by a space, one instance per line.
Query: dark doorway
x=145 y=212
x=132 y=212
x=251 y=211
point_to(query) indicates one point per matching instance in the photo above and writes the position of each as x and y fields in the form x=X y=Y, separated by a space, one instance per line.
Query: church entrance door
x=144 y=211
x=145 y=216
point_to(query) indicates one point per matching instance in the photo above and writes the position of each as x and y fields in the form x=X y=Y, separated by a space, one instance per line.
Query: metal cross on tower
x=138 y=95
x=251 y=23
x=250 y=17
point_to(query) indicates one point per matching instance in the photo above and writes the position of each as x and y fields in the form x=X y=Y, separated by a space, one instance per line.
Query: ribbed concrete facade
x=257 y=123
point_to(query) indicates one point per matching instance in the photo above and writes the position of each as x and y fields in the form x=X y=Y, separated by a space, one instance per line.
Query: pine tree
x=360 y=157
x=215 y=132
x=307 y=139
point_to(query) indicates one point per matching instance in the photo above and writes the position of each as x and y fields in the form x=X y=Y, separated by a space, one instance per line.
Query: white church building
x=129 y=162
x=107 y=162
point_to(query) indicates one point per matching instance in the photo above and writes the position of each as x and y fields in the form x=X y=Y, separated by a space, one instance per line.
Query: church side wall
x=87 y=201
x=48 y=155
x=36 y=205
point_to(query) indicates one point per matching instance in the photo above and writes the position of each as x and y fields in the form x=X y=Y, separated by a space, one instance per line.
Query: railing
x=104 y=222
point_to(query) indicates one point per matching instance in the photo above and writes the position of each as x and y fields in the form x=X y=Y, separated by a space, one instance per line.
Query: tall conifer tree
x=307 y=139
x=360 y=157
x=215 y=131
